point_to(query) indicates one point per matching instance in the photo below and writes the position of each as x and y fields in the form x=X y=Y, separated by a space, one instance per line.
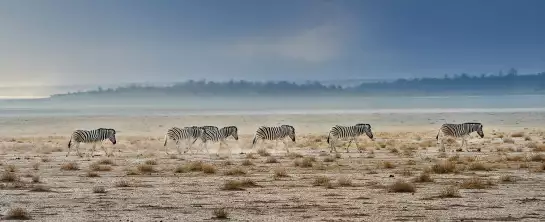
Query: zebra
x=275 y=133
x=186 y=133
x=212 y=133
x=338 y=132
x=91 y=136
x=459 y=130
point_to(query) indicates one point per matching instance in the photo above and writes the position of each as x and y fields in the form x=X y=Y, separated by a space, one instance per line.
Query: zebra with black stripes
x=186 y=133
x=214 y=134
x=340 y=132
x=458 y=130
x=91 y=136
x=274 y=133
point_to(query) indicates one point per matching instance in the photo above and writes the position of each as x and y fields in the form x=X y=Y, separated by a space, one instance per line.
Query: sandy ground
x=500 y=178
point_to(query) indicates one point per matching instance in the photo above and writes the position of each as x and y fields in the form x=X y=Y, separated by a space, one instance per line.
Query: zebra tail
x=70 y=143
x=329 y=135
x=166 y=138
x=437 y=137
x=255 y=139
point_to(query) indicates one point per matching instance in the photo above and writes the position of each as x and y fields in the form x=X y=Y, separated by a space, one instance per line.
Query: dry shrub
x=40 y=188
x=122 y=183
x=538 y=147
x=322 y=181
x=400 y=186
x=36 y=166
x=344 y=182
x=476 y=183
x=263 y=152
x=250 y=156
x=11 y=168
x=35 y=179
x=524 y=166
x=478 y=166
x=92 y=174
x=411 y=162
x=271 y=159
x=247 y=162
x=280 y=172
x=518 y=134
x=196 y=166
x=444 y=167
x=450 y=192
x=328 y=159
x=45 y=159
x=516 y=158
x=239 y=185
x=106 y=161
x=99 y=167
x=9 y=177
x=508 y=140
x=99 y=189
x=527 y=138
x=220 y=214
x=305 y=162
x=388 y=165
x=151 y=162
x=394 y=150
x=208 y=169
x=145 y=168
x=70 y=166
x=236 y=171
x=537 y=158
x=338 y=155
x=17 y=214
x=294 y=155
x=426 y=143
x=507 y=179
x=424 y=177
x=406 y=172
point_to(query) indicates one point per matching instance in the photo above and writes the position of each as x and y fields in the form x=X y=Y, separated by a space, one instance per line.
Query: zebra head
x=367 y=129
x=479 y=129
x=290 y=131
x=230 y=131
x=110 y=134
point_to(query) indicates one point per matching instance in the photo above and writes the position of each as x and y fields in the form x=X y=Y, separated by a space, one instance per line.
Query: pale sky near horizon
x=57 y=42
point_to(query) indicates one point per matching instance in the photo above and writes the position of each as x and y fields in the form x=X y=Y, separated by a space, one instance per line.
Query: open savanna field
x=399 y=177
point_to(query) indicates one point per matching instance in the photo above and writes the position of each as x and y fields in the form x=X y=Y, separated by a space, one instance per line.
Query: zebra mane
x=473 y=123
x=110 y=129
x=364 y=124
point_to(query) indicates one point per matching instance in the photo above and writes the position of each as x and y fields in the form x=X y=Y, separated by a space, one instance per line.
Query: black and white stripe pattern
x=275 y=133
x=186 y=133
x=340 y=132
x=213 y=134
x=459 y=130
x=91 y=136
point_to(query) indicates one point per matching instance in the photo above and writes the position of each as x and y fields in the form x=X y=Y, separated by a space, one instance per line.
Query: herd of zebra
x=214 y=134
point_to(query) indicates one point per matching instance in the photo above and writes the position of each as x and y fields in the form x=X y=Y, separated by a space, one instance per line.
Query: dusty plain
x=399 y=177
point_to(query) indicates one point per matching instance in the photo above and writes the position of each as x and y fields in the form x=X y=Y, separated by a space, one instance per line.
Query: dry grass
x=271 y=159
x=247 y=162
x=507 y=179
x=508 y=140
x=478 y=166
x=151 y=162
x=238 y=185
x=10 y=168
x=122 y=183
x=263 y=152
x=537 y=147
x=99 y=167
x=235 y=171
x=145 y=168
x=450 y=192
x=516 y=158
x=388 y=165
x=9 y=177
x=537 y=158
x=99 y=189
x=35 y=179
x=92 y=174
x=401 y=186
x=250 y=156
x=40 y=188
x=280 y=172
x=305 y=162
x=17 y=214
x=36 y=166
x=344 y=182
x=518 y=134
x=328 y=159
x=70 y=166
x=424 y=177
x=476 y=183
x=322 y=181
x=105 y=161
x=294 y=155
x=221 y=214
x=444 y=167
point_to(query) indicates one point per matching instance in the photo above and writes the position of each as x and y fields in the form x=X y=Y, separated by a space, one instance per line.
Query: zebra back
x=229 y=131
x=460 y=130
x=89 y=136
x=275 y=132
x=350 y=131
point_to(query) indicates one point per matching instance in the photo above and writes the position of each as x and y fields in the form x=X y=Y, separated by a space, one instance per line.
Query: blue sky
x=102 y=41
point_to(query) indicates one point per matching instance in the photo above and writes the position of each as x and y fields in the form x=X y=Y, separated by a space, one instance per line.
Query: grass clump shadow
x=17 y=214
x=401 y=186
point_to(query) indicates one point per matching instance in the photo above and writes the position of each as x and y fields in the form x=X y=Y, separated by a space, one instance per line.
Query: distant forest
x=462 y=84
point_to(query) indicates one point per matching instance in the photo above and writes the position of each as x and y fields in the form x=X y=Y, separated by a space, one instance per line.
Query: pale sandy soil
x=511 y=170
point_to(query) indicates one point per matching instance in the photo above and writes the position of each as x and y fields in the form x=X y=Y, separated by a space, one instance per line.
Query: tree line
x=508 y=83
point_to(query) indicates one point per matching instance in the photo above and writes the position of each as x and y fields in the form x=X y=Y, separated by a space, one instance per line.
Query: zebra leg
x=228 y=147
x=106 y=151
x=442 y=145
x=286 y=146
x=68 y=153
x=77 y=150
x=93 y=149
x=350 y=142
x=178 y=147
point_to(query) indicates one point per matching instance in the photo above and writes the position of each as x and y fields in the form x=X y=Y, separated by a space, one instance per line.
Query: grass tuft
x=221 y=214
x=17 y=214
x=70 y=166
x=99 y=189
x=400 y=186
x=450 y=192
